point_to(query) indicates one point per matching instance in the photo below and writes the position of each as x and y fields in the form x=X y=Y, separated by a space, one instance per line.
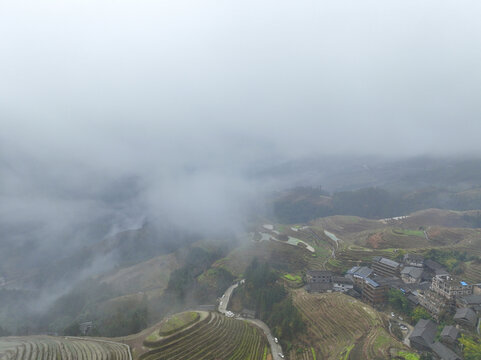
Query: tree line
x=301 y=205
x=270 y=300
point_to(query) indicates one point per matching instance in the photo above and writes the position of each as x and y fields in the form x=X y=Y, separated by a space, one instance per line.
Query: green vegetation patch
x=154 y=336
x=178 y=322
x=347 y=352
x=408 y=356
x=292 y=277
x=264 y=357
x=471 y=347
x=407 y=232
x=381 y=341
x=455 y=261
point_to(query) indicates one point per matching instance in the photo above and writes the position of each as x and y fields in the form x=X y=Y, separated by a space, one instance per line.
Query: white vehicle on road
x=281 y=355
x=276 y=340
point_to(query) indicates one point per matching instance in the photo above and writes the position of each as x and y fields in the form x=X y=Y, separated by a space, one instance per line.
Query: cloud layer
x=124 y=110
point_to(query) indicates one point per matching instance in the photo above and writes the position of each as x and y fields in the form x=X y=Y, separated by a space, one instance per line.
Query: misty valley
x=240 y=180
x=299 y=270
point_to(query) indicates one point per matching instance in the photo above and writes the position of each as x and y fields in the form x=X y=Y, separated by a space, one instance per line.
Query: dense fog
x=116 y=114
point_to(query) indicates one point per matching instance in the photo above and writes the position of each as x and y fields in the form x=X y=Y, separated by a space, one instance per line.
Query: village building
x=411 y=274
x=385 y=267
x=449 y=335
x=470 y=301
x=444 y=353
x=413 y=260
x=319 y=281
x=413 y=299
x=432 y=302
x=423 y=335
x=358 y=274
x=318 y=276
x=375 y=290
x=341 y=283
x=449 y=288
x=319 y=287
x=466 y=317
x=431 y=269
x=477 y=289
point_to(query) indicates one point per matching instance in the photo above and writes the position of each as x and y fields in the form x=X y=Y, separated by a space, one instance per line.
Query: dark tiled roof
x=450 y=331
x=425 y=329
x=433 y=265
x=443 y=352
x=414 y=272
x=441 y=272
x=427 y=275
x=388 y=262
x=471 y=299
x=414 y=299
x=319 y=273
x=466 y=314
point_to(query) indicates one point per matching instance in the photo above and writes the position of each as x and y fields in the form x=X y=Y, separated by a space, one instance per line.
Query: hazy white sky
x=112 y=112
x=185 y=94
x=198 y=77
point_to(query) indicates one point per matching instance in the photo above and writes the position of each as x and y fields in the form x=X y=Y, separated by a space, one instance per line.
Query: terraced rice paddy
x=336 y=322
x=473 y=273
x=55 y=348
x=215 y=337
x=353 y=256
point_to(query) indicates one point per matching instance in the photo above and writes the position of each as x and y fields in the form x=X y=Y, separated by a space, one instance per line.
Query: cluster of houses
x=423 y=338
x=371 y=283
x=424 y=282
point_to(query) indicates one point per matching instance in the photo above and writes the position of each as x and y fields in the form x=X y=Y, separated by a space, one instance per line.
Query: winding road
x=276 y=349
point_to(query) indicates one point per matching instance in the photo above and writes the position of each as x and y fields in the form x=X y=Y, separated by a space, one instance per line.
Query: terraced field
x=352 y=255
x=473 y=273
x=287 y=258
x=53 y=348
x=338 y=324
x=212 y=337
x=444 y=228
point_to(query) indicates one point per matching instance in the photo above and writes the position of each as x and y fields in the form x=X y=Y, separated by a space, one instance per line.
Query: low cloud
x=114 y=114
